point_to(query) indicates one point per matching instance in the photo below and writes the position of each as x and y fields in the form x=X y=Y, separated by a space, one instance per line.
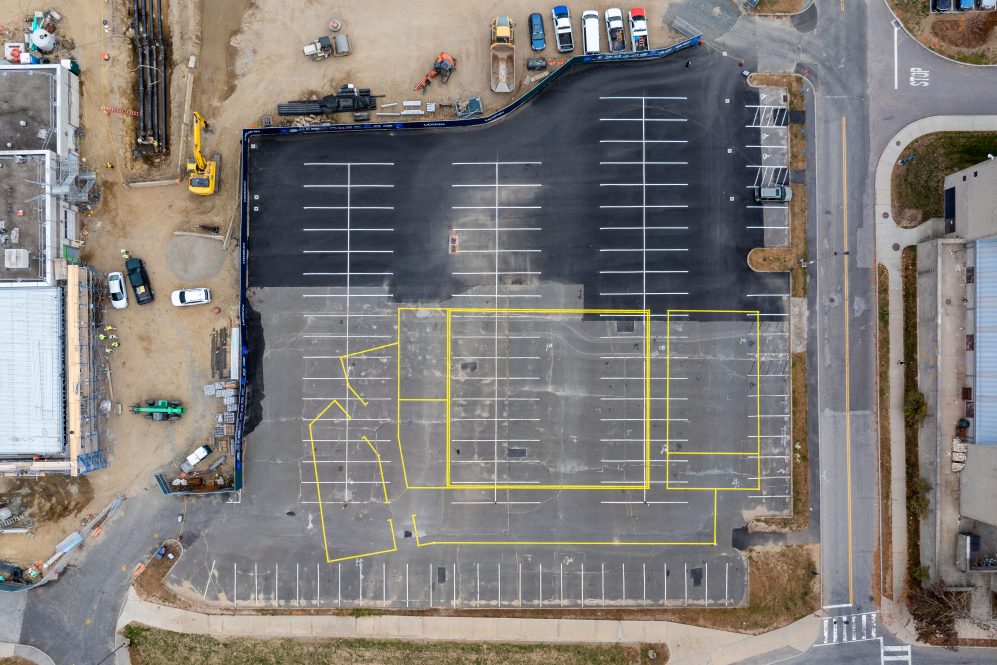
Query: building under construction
x=53 y=376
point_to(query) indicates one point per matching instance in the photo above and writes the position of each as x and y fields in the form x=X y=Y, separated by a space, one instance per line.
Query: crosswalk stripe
x=860 y=627
x=897 y=653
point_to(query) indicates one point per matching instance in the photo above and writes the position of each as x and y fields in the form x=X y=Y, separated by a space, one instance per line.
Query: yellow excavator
x=203 y=173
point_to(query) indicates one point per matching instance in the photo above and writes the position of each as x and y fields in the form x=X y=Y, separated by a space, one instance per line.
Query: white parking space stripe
x=640 y=141
x=644 y=184
x=348 y=163
x=643 y=119
x=347 y=207
x=650 y=163
x=501 y=207
x=353 y=230
x=496 y=163
x=343 y=186
x=649 y=98
x=504 y=184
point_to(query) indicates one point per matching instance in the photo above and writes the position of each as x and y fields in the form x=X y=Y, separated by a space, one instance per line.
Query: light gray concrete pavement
x=688 y=645
x=10 y=650
x=890 y=240
x=871 y=81
x=869 y=87
x=73 y=619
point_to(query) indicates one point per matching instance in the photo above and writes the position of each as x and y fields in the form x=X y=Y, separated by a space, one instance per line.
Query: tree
x=936 y=610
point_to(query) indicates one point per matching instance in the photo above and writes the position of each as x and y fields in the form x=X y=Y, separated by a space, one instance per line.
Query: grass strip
x=918 y=185
x=886 y=464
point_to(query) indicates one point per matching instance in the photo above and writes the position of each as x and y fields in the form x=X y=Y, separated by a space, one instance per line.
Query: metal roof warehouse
x=32 y=371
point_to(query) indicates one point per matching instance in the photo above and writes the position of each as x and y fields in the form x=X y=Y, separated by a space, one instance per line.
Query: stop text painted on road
x=920 y=78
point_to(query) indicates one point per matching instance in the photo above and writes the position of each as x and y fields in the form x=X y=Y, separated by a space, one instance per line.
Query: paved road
x=871 y=80
x=853 y=42
x=73 y=620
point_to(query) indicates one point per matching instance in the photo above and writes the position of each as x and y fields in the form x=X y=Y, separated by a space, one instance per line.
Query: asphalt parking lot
x=517 y=417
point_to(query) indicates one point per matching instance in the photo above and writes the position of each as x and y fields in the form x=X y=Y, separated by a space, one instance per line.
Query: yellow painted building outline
x=446 y=398
x=449 y=486
x=758 y=403
x=380 y=468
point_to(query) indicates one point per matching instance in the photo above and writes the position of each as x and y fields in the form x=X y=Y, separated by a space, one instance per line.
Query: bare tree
x=936 y=611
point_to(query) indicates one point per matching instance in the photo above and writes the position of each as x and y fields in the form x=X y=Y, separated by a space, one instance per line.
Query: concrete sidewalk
x=890 y=240
x=10 y=650
x=689 y=645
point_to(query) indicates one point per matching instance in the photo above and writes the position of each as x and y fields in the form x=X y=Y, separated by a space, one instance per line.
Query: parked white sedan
x=116 y=289
x=185 y=297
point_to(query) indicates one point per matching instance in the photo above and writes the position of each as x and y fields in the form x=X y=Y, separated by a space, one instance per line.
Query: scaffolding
x=88 y=388
x=75 y=181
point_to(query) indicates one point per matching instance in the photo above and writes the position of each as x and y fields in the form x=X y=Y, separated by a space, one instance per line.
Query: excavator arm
x=199 y=124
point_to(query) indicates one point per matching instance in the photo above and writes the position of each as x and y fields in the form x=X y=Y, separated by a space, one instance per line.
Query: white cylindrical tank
x=43 y=40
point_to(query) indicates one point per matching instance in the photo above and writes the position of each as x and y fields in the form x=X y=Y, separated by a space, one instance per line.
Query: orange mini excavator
x=444 y=66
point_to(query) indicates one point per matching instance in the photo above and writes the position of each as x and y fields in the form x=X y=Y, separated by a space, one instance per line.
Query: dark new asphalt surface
x=597 y=173
x=632 y=181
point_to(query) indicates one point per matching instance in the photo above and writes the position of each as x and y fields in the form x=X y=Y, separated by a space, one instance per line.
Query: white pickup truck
x=614 y=30
x=638 y=29
x=194 y=458
x=562 y=28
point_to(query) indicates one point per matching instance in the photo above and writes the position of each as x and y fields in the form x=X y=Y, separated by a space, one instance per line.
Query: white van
x=590 y=32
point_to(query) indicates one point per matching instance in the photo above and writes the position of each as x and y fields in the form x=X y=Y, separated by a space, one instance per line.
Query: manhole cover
x=896 y=247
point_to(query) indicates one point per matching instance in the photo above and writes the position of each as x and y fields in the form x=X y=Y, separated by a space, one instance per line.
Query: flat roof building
x=971 y=202
x=51 y=381
x=33 y=380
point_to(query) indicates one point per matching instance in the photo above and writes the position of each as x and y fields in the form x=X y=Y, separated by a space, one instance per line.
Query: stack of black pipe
x=151 y=83
x=345 y=100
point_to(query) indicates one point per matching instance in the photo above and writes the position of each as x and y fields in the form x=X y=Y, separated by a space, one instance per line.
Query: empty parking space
x=483 y=374
x=552 y=581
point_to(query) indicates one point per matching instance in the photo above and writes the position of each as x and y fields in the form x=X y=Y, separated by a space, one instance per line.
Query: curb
x=936 y=123
x=928 y=48
x=805 y=7
x=883 y=211
x=28 y=652
x=688 y=644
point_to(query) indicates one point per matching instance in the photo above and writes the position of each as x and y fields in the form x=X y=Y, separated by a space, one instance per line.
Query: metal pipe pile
x=151 y=83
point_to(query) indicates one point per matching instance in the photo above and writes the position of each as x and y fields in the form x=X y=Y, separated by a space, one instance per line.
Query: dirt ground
x=151 y=646
x=248 y=59
x=918 y=185
x=965 y=36
x=885 y=452
x=164 y=351
x=779 y=6
x=149 y=583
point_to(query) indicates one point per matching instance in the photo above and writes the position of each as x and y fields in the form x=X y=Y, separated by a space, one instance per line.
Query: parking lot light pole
x=804 y=263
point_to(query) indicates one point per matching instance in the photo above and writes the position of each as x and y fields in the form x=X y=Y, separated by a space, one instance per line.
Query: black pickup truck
x=139 y=279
